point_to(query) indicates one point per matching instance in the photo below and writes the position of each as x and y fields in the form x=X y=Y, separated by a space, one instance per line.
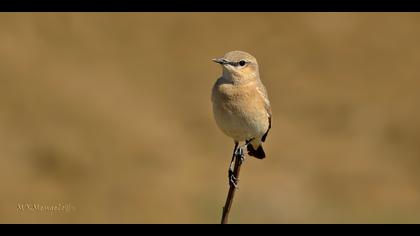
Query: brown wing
x=269 y=127
x=263 y=92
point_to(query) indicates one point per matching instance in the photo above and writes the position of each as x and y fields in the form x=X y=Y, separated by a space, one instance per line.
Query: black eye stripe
x=239 y=63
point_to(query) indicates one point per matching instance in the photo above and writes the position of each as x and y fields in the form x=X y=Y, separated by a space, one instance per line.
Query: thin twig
x=232 y=189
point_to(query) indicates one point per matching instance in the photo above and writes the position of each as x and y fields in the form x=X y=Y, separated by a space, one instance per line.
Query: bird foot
x=233 y=181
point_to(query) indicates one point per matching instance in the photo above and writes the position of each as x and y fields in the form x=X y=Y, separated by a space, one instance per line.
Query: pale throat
x=238 y=77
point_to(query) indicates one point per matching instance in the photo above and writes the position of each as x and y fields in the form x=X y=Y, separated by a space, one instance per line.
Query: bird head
x=238 y=66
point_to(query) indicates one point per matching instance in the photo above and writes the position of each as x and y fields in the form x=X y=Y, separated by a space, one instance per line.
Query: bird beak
x=221 y=61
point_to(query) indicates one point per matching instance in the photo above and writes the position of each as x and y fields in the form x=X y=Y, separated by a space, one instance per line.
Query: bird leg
x=232 y=179
x=240 y=154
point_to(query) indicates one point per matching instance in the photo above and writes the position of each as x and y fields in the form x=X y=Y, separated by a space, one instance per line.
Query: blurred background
x=111 y=113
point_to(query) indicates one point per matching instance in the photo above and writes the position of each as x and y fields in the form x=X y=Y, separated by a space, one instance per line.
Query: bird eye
x=242 y=63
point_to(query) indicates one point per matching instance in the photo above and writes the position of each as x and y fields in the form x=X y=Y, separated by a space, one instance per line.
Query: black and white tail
x=258 y=153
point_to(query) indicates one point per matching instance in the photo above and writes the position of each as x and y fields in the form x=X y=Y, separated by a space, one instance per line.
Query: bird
x=241 y=107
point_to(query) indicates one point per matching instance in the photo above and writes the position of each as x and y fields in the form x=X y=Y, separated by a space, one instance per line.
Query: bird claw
x=230 y=173
x=233 y=181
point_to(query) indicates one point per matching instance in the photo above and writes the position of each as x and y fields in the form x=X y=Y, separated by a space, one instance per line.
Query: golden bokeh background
x=111 y=113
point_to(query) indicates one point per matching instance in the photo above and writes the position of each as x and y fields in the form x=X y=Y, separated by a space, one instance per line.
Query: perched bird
x=240 y=102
